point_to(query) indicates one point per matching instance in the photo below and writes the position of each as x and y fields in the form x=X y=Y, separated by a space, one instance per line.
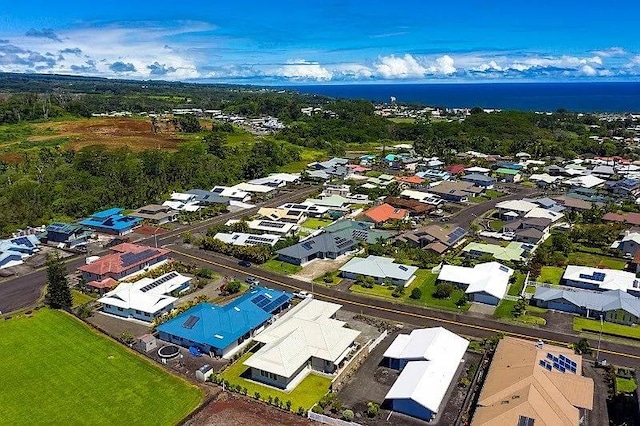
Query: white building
x=253 y=188
x=308 y=209
x=243 y=239
x=380 y=268
x=512 y=209
x=273 y=227
x=183 y=202
x=429 y=359
x=539 y=212
x=423 y=197
x=587 y=181
x=485 y=283
x=232 y=193
x=305 y=339
x=277 y=180
x=601 y=279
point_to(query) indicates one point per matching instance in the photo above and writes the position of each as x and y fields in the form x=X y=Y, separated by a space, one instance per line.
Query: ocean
x=578 y=97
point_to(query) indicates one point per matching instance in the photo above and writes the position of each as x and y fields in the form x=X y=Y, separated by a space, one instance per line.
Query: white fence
x=329 y=420
x=378 y=340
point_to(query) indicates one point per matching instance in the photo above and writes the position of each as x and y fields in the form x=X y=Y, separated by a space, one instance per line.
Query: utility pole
x=599 y=339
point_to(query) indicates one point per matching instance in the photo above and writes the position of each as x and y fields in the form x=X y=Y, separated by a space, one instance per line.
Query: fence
x=376 y=342
x=356 y=360
x=329 y=420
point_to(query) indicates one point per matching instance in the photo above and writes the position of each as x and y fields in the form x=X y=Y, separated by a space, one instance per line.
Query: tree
x=233 y=287
x=416 y=293
x=443 y=291
x=58 y=291
x=583 y=347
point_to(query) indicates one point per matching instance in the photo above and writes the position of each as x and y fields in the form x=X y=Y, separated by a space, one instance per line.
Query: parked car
x=252 y=280
x=302 y=294
x=244 y=263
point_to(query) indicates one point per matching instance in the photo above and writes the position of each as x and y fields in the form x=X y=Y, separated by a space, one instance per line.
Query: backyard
x=595 y=260
x=551 y=274
x=315 y=223
x=593 y=326
x=426 y=282
x=305 y=395
x=80 y=298
x=516 y=287
x=280 y=267
x=57 y=370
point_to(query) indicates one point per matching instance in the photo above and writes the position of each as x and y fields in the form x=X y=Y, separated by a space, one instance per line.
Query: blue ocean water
x=579 y=97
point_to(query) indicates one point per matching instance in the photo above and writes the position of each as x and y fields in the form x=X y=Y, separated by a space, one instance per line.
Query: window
x=120 y=309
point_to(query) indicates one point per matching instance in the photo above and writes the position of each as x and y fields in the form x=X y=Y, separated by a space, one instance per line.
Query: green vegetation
x=624 y=385
x=551 y=275
x=612 y=329
x=594 y=260
x=58 y=294
x=315 y=223
x=531 y=289
x=496 y=225
x=280 y=267
x=516 y=286
x=84 y=377
x=519 y=311
x=306 y=394
x=492 y=193
x=329 y=278
x=80 y=298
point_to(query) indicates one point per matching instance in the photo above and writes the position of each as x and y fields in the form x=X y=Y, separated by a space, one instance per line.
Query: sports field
x=56 y=370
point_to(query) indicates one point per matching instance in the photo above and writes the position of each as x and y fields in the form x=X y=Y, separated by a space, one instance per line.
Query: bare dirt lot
x=228 y=409
x=135 y=134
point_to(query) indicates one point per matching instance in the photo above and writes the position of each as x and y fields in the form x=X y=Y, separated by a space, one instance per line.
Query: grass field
x=594 y=260
x=80 y=298
x=315 y=223
x=593 y=326
x=551 y=274
x=505 y=311
x=56 y=370
x=305 y=395
x=280 y=267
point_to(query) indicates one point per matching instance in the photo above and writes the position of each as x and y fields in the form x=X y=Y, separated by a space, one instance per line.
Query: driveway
x=471 y=213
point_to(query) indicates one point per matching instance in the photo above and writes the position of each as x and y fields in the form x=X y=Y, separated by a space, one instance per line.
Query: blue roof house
x=26 y=245
x=111 y=221
x=10 y=258
x=223 y=330
x=478 y=179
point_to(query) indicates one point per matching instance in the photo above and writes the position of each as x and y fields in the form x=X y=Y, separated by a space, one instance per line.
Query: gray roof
x=478 y=177
x=208 y=197
x=323 y=243
x=357 y=230
x=597 y=301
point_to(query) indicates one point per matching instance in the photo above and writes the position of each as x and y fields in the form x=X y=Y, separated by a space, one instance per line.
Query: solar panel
x=275 y=304
x=504 y=268
x=191 y=322
x=272 y=224
x=23 y=241
x=131 y=258
x=159 y=281
x=525 y=421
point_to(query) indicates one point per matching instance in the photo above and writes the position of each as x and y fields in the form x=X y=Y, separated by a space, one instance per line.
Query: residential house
x=456 y=169
x=584 y=181
x=126 y=260
x=67 y=234
x=409 y=181
x=574 y=204
x=323 y=246
x=434 y=175
x=111 y=221
x=383 y=213
x=423 y=197
x=429 y=359
x=325 y=170
x=145 y=299
x=357 y=231
x=629 y=244
x=508 y=175
x=272 y=227
x=282 y=215
x=512 y=252
x=626 y=218
x=232 y=194
x=434 y=237
x=205 y=198
x=277 y=180
x=613 y=306
x=331 y=202
x=625 y=187
x=456 y=191
x=14 y=250
x=306 y=208
x=541 y=213
x=531 y=383
x=414 y=207
x=332 y=189
x=223 y=330
x=307 y=338
x=255 y=189
x=242 y=239
x=601 y=279
x=513 y=209
x=183 y=202
x=544 y=180
x=480 y=180
x=484 y=283
x=156 y=214
x=603 y=171
x=476 y=169
x=381 y=269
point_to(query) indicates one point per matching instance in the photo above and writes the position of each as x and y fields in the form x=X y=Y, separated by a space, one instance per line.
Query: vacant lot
x=56 y=370
x=593 y=326
x=595 y=260
x=280 y=267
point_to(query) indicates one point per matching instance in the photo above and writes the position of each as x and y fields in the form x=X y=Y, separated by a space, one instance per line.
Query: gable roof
x=592 y=300
x=491 y=278
x=379 y=267
x=322 y=243
x=126 y=257
x=385 y=212
x=414 y=206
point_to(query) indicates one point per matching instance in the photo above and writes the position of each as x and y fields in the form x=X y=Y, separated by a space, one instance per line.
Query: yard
x=593 y=326
x=80 y=298
x=280 y=267
x=426 y=282
x=594 y=260
x=506 y=310
x=335 y=278
x=315 y=223
x=305 y=395
x=551 y=274
x=624 y=385
x=496 y=225
x=516 y=288
x=57 y=370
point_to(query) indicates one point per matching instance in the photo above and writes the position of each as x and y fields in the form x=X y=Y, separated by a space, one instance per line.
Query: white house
x=308 y=209
x=380 y=268
x=485 y=283
x=145 y=299
x=601 y=279
x=273 y=227
x=586 y=181
x=429 y=359
x=513 y=209
x=253 y=188
x=423 y=197
x=243 y=239
x=232 y=193
x=630 y=243
x=539 y=212
x=306 y=338
x=182 y=201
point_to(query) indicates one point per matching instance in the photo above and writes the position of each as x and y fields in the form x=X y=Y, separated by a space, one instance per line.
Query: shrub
x=204 y=273
x=270 y=399
x=348 y=415
x=372 y=409
x=301 y=411
x=256 y=395
x=398 y=291
x=327 y=278
x=127 y=337
x=443 y=291
x=288 y=404
x=317 y=409
x=84 y=311
x=187 y=237
x=233 y=287
x=416 y=293
x=276 y=401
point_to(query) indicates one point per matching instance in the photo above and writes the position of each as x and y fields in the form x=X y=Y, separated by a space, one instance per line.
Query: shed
x=146 y=343
x=203 y=373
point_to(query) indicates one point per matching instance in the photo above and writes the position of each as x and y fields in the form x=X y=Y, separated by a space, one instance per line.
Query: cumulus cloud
x=71 y=51
x=588 y=70
x=443 y=65
x=406 y=66
x=158 y=69
x=43 y=33
x=121 y=67
x=611 y=51
x=301 y=69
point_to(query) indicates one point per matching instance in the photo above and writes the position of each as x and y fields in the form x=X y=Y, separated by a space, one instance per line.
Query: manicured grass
x=496 y=225
x=402 y=120
x=305 y=395
x=531 y=289
x=280 y=267
x=593 y=326
x=80 y=298
x=56 y=370
x=505 y=311
x=335 y=278
x=551 y=274
x=516 y=288
x=315 y=223
x=426 y=282
x=478 y=199
x=625 y=385
x=594 y=260
x=492 y=193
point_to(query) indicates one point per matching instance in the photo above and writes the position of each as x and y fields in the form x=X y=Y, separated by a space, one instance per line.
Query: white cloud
x=391 y=67
x=443 y=65
x=304 y=70
x=588 y=70
x=611 y=51
x=352 y=71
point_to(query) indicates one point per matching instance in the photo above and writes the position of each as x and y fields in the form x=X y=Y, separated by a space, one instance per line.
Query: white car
x=303 y=294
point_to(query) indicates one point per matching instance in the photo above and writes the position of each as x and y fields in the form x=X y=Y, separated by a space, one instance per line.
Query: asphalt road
x=467 y=324
x=24 y=291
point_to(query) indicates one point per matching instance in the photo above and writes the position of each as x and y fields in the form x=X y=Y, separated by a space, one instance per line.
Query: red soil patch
x=229 y=409
x=12 y=158
x=150 y=230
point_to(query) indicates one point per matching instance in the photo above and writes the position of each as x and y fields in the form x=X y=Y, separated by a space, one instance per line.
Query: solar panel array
x=504 y=268
x=272 y=224
x=158 y=282
x=596 y=276
x=343 y=242
x=560 y=363
x=268 y=305
x=308 y=245
x=191 y=322
x=455 y=235
x=131 y=258
x=360 y=235
x=259 y=240
x=23 y=241
x=525 y=421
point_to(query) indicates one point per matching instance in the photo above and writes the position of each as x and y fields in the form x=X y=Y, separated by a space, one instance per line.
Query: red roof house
x=385 y=212
x=127 y=259
x=456 y=169
x=411 y=180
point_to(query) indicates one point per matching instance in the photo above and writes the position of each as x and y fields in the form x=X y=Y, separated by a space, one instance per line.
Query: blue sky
x=338 y=41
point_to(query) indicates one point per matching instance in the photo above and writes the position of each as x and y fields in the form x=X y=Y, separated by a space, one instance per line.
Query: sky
x=325 y=42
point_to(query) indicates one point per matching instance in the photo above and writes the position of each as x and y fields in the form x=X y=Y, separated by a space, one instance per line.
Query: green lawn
x=594 y=260
x=551 y=274
x=625 y=385
x=315 y=223
x=492 y=193
x=80 y=298
x=56 y=370
x=426 y=282
x=505 y=311
x=335 y=278
x=516 y=288
x=531 y=289
x=280 y=267
x=593 y=326
x=402 y=120
x=305 y=395
x=496 y=225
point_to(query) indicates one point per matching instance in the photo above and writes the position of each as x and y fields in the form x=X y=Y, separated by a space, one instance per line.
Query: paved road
x=467 y=324
x=23 y=291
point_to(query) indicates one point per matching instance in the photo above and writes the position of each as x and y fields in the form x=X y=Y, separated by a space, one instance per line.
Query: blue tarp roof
x=220 y=326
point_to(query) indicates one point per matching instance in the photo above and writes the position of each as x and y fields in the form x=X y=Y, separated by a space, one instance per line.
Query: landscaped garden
x=305 y=395
x=56 y=370
x=593 y=326
x=280 y=267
